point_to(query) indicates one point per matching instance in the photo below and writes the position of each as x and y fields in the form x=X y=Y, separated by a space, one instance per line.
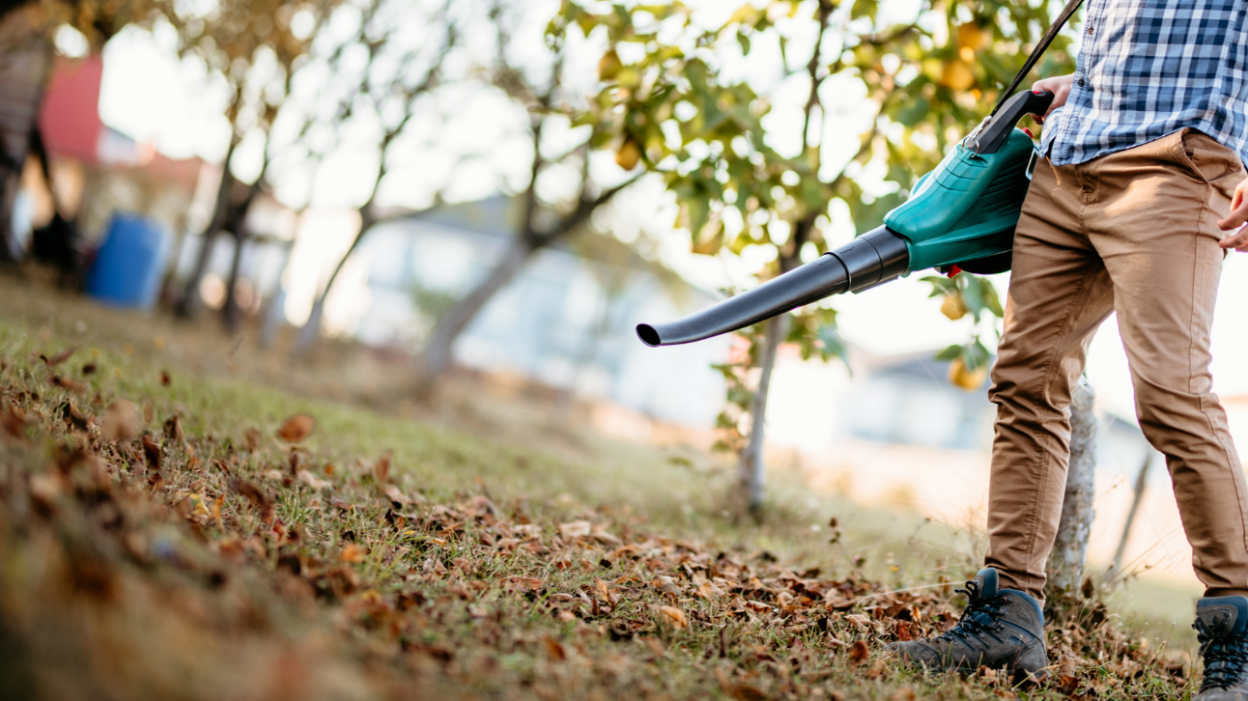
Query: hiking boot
x=1000 y=628
x=1222 y=629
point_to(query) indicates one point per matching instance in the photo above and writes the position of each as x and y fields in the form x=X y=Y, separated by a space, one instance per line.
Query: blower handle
x=996 y=129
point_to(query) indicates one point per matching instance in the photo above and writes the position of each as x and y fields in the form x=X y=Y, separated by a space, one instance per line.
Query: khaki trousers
x=1133 y=232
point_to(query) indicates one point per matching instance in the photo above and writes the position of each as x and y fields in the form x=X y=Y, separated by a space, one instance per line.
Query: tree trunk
x=437 y=355
x=753 y=469
x=231 y=314
x=1065 y=566
x=189 y=303
x=312 y=327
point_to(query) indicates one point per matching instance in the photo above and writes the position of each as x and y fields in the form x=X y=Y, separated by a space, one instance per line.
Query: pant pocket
x=1209 y=160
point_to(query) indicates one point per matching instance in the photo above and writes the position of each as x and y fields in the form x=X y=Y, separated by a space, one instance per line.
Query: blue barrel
x=128 y=264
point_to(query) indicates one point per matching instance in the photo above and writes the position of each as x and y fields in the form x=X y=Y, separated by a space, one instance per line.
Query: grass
x=387 y=555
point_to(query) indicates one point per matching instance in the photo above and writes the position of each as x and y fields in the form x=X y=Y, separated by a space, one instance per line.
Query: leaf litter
x=216 y=572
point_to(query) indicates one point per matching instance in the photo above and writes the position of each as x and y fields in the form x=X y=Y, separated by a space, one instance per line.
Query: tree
x=545 y=218
x=253 y=46
x=1070 y=551
x=926 y=82
x=391 y=99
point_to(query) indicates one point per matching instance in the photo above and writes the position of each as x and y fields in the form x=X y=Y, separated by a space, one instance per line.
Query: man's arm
x=1236 y=219
x=1059 y=86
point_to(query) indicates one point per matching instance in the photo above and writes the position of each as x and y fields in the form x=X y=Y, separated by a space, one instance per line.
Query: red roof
x=70 y=121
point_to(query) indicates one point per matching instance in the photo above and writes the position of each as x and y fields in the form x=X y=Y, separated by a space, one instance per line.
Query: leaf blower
x=960 y=216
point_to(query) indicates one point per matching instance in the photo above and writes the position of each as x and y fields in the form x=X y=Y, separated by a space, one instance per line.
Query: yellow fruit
x=969 y=380
x=953 y=307
x=609 y=65
x=957 y=75
x=628 y=155
x=971 y=37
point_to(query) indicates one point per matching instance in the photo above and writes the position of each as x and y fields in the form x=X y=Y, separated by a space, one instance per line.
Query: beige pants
x=1136 y=233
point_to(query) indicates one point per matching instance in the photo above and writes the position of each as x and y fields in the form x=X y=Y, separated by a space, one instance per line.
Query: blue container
x=128 y=265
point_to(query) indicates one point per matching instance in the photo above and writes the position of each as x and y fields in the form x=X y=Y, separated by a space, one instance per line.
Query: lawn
x=184 y=516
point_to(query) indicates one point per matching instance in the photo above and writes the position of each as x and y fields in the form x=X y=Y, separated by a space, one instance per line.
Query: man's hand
x=1059 y=86
x=1236 y=219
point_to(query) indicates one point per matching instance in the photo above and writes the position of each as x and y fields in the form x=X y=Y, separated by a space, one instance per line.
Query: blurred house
x=95 y=169
x=566 y=320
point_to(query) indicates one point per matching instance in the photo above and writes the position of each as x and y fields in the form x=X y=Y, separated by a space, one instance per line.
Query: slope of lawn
x=170 y=532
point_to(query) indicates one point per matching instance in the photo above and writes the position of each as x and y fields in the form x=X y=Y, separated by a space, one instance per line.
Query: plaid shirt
x=1148 y=68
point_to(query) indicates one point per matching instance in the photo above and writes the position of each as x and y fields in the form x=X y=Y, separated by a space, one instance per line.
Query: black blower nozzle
x=869 y=260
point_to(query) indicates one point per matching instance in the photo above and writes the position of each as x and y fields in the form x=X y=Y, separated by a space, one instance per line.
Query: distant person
x=1138 y=197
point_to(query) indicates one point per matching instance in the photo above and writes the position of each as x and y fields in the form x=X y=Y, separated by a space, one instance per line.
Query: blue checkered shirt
x=1148 y=68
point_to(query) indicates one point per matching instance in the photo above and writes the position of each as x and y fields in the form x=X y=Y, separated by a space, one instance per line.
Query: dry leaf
x=252 y=440
x=746 y=692
x=313 y=481
x=58 y=358
x=353 y=553
x=88 y=369
x=149 y=412
x=296 y=428
x=151 y=450
x=13 y=421
x=381 y=470
x=121 y=421
x=67 y=384
x=858 y=652
x=674 y=616
x=256 y=496
x=554 y=649
x=396 y=495
x=574 y=529
x=173 y=428
x=74 y=418
x=165 y=379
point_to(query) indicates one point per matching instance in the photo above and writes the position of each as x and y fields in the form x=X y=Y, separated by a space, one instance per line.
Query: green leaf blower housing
x=961 y=214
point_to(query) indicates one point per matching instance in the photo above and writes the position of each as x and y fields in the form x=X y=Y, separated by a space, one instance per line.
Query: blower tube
x=869 y=260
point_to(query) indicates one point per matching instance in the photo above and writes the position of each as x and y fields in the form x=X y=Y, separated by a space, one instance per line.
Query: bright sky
x=149 y=95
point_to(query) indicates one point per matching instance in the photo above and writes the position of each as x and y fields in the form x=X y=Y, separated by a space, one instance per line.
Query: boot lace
x=1226 y=658
x=981 y=618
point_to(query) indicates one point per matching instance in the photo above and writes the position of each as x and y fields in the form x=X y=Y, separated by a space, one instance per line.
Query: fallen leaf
x=555 y=649
x=858 y=652
x=149 y=412
x=88 y=369
x=252 y=440
x=574 y=529
x=675 y=616
x=381 y=470
x=263 y=502
x=904 y=694
x=165 y=379
x=746 y=692
x=396 y=495
x=666 y=585
x=313 y=481
x=173 y=428
x=353 y=553
x=58 y=358
x=74 y=418
x=216 y=510
x=13 y=421
x=121 y=421
x=67 y=384
x=151 y=450
x=296 y=428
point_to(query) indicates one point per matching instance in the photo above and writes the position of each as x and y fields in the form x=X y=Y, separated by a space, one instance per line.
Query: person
x=1138 y=195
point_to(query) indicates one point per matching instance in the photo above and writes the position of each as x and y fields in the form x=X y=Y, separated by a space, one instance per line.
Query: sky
x=148 y=94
